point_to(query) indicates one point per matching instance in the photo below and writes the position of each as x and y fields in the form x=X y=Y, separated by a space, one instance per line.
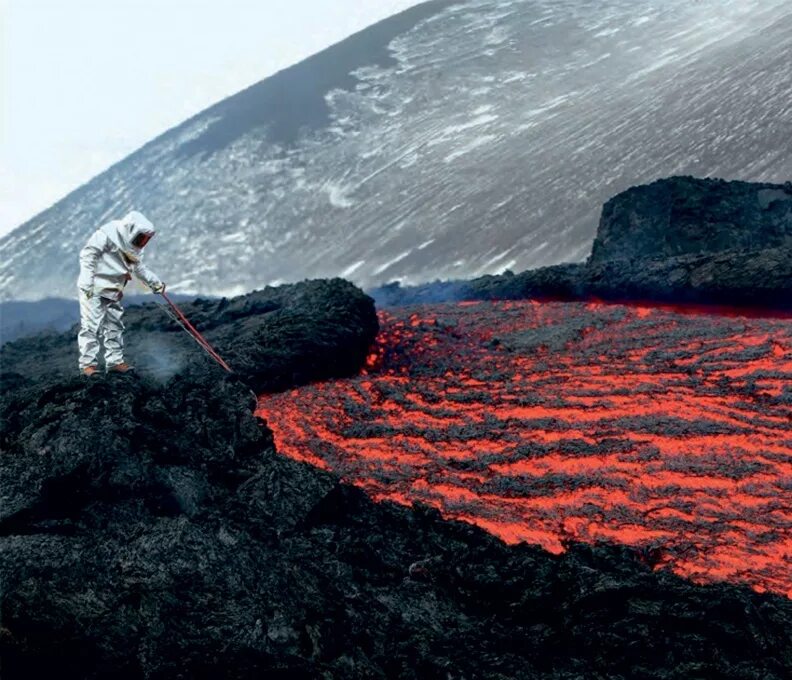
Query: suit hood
x=123 y=232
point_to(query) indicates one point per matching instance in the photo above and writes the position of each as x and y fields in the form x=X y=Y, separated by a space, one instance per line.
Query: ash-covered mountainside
x=680 y=239
x=149 y=529
x=452 y=140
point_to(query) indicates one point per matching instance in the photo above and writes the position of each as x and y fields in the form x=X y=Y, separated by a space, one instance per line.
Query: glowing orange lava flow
x=556 y=422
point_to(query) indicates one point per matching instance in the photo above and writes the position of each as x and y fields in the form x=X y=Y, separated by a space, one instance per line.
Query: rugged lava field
x=172 y=539
x=661 y=428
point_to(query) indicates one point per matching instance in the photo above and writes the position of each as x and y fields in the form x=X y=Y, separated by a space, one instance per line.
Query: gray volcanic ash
x=453 y=140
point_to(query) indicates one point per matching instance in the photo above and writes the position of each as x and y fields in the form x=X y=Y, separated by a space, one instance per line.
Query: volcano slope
x=149 y=528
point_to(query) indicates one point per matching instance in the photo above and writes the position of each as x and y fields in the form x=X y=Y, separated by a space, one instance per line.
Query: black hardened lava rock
x=149 y=529
x=276 y=338
x=685 y=239
x=686 y=215
x=761 y=278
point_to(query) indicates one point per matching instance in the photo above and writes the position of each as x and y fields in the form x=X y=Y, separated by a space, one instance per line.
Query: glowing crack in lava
x=556 y=422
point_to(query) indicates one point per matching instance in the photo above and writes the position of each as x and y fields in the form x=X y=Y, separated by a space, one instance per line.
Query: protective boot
x=91 y=371
x=123 y=367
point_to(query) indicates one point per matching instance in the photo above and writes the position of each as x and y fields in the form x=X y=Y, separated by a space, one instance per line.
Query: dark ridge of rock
x=677 y=240
x=761 y=278
x=21 y=318
x=558 y=282
x=686 y=215
x=151 y=531
x=273 y=338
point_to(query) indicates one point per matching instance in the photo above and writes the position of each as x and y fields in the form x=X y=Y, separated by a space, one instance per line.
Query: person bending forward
x=107 y=262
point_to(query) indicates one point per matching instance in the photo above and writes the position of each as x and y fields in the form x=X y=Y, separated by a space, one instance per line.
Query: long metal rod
x=196 y=334
x=192 y=331
x=197 y=337
x=176 y=320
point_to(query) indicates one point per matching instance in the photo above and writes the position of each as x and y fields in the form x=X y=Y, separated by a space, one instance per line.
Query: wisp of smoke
x=394 y=294
x=163 y=360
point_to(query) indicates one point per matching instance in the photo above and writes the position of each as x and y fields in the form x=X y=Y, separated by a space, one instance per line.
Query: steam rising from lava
x=558 y=422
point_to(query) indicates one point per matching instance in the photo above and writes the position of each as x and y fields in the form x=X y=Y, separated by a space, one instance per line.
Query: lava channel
x=557 y=422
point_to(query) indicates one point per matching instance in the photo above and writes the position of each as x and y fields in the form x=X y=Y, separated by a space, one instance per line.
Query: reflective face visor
x=141 y=239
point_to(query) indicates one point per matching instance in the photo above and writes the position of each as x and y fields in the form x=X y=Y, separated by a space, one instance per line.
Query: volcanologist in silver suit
x=107 y=262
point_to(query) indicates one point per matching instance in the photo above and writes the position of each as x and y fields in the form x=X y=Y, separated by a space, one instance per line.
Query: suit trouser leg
x=113 y=333
x=91 y=317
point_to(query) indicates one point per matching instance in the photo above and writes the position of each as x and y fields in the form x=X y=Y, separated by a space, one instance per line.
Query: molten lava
x=557 y=422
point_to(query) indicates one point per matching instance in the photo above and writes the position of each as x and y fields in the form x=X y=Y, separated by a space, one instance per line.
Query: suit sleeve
x=146 y=275
x=89 y=256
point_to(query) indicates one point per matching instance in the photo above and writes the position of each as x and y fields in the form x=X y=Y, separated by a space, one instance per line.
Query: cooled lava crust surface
x=664 y=429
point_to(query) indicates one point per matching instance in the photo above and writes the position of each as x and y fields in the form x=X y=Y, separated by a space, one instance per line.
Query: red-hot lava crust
x=558 y=422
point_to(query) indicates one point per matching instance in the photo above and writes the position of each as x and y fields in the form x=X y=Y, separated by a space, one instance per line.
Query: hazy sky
x=85 y=82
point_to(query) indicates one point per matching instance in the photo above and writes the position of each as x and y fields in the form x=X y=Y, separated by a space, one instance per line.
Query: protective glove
x=158 y=287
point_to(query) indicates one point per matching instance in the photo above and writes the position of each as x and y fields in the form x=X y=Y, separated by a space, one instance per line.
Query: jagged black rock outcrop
x=691 y=216
x=681 y=239
x=149 y=529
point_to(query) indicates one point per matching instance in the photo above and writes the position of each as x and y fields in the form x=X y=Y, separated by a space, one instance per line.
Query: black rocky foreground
x=149 y=529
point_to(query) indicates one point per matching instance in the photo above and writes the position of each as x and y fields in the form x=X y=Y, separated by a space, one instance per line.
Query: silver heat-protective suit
x=107 y=262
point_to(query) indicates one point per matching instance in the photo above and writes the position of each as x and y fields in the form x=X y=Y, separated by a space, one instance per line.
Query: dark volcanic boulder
x=684 y=239
x=274 y=338
x=686 y=216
